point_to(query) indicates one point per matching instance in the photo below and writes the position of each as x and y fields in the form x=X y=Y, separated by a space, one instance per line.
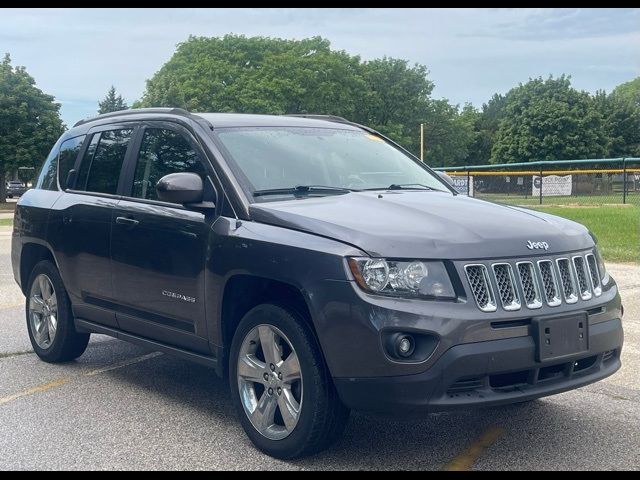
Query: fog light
x=405 y=345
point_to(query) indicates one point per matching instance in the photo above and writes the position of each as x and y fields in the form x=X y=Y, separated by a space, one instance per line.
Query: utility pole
x=422 y=142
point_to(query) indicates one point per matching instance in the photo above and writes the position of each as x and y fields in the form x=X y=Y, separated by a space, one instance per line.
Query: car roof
x=222 y=120
x=219 y=120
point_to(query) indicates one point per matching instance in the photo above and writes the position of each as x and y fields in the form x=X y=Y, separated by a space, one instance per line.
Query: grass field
x=7 y=206
x=577 y=200
x=6 y=222
x=617 y=228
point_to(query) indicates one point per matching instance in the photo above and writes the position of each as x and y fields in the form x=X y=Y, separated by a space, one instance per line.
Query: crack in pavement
x=15 y=354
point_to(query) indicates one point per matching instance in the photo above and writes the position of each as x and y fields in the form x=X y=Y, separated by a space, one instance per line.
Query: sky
x=77 y=54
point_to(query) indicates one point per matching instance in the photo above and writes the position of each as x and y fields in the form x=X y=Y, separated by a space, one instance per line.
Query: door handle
x=127 y=222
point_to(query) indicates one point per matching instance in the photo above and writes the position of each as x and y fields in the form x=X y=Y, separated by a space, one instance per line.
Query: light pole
x=422 y=142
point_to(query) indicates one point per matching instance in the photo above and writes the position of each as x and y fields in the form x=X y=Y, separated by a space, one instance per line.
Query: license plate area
x=561 y=336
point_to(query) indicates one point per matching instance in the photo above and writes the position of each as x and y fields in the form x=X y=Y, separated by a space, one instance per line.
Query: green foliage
x=548 y=120
x=621 y=123
x=276 y=76
x=448 y=133
x=112 y=102
x=29 y=121
x=539 y=120
x=629 y=92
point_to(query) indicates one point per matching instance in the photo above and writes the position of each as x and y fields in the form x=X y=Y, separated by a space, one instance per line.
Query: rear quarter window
x=57 y=165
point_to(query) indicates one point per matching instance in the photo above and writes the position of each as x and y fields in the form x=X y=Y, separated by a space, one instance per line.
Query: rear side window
x=66 y=160
x=162 y=152
x=102 y=162
x=49 y=172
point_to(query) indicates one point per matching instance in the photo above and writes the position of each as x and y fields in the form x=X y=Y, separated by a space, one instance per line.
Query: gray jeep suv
x=312 y=261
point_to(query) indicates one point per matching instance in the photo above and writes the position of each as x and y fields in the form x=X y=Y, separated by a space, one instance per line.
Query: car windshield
x=283 y=158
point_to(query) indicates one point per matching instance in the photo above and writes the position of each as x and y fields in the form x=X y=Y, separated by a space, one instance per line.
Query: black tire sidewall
x=313 y=378
x=65 y=326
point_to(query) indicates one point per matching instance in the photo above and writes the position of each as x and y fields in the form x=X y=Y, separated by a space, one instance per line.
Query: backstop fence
x=563 y=182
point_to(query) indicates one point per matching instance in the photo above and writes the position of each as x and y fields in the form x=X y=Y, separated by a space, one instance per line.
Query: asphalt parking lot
x=122 y=407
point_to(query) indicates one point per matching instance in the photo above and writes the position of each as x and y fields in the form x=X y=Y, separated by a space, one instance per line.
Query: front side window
x=102 y=162
x=162 y=152
x=287 y=157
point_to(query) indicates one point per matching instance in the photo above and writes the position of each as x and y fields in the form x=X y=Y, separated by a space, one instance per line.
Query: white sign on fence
x=460 y=184
x=552 y=185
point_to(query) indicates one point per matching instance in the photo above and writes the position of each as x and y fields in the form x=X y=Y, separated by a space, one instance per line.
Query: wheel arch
x=242 y=292
x=33 y=253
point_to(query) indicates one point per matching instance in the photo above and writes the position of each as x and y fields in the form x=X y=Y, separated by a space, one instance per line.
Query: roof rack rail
x=134 y=111
x=329 y=118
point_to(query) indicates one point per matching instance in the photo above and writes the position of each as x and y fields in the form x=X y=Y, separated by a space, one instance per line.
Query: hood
x=426 y=224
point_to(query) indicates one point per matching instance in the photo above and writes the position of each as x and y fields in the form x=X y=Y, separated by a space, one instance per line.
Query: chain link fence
x=567 y=182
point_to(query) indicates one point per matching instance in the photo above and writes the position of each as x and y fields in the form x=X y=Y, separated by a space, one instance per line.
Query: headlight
x=604 y=275
x=402 y=278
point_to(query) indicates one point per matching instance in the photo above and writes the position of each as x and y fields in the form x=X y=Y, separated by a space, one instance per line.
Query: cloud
x=78 y=54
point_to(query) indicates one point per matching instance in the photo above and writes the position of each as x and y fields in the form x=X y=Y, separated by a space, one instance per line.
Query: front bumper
x=487 y=373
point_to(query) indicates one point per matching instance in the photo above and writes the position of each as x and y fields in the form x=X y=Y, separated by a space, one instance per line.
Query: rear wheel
x=49 y=319
x=282 y=389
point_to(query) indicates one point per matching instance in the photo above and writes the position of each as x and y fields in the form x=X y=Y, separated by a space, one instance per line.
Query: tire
x=321 y=417
x=9 y=196
x=52 y=333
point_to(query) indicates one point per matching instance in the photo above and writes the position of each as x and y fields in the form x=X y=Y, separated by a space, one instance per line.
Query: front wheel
x=280 y=384
x=49 y=318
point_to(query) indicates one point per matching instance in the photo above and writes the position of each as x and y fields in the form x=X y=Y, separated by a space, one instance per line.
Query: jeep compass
x=313 y=262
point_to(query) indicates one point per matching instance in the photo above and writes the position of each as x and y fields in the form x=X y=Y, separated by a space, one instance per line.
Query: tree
x=396 y=99
x=112 y=102
x=629 y=91
x=549 y=120
x=448 y=133
x=276 y=76
x=485 y=126
x=621 y=123
x=29 y=121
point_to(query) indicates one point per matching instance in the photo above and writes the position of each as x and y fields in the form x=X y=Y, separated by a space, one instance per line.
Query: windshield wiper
x=303 y=190
x=406 y=186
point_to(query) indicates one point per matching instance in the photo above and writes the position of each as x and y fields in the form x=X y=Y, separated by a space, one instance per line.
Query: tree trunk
x=3 y=187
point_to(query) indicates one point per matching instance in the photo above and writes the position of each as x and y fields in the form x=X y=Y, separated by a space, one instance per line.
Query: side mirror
x=181 y=188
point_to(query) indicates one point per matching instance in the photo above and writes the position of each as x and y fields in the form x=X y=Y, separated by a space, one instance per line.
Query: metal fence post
x=468 y=185
x=540 y=184
x=624 y=181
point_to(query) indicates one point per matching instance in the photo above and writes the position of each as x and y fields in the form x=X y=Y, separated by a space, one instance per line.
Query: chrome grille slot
x=535 y=283
x=567 y=281
x=529 y=283
x=549 y=283
x=506 y=282
x=481 y=287
x=594 y=274
x=581 y=276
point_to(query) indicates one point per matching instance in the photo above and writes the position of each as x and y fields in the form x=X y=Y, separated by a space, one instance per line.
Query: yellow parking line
x=470 y=455
x=124 y=363
x=63 y=381
x=32 y=391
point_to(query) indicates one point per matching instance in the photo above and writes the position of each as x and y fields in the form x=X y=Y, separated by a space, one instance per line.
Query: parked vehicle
x=15 y=188
x=314 y=263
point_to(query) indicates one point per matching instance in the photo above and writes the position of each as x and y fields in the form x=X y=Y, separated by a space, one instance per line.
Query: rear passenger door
x=80 y=228
x=159 y=249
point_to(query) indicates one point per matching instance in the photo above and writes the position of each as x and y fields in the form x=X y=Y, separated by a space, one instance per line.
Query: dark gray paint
x=116 y=271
